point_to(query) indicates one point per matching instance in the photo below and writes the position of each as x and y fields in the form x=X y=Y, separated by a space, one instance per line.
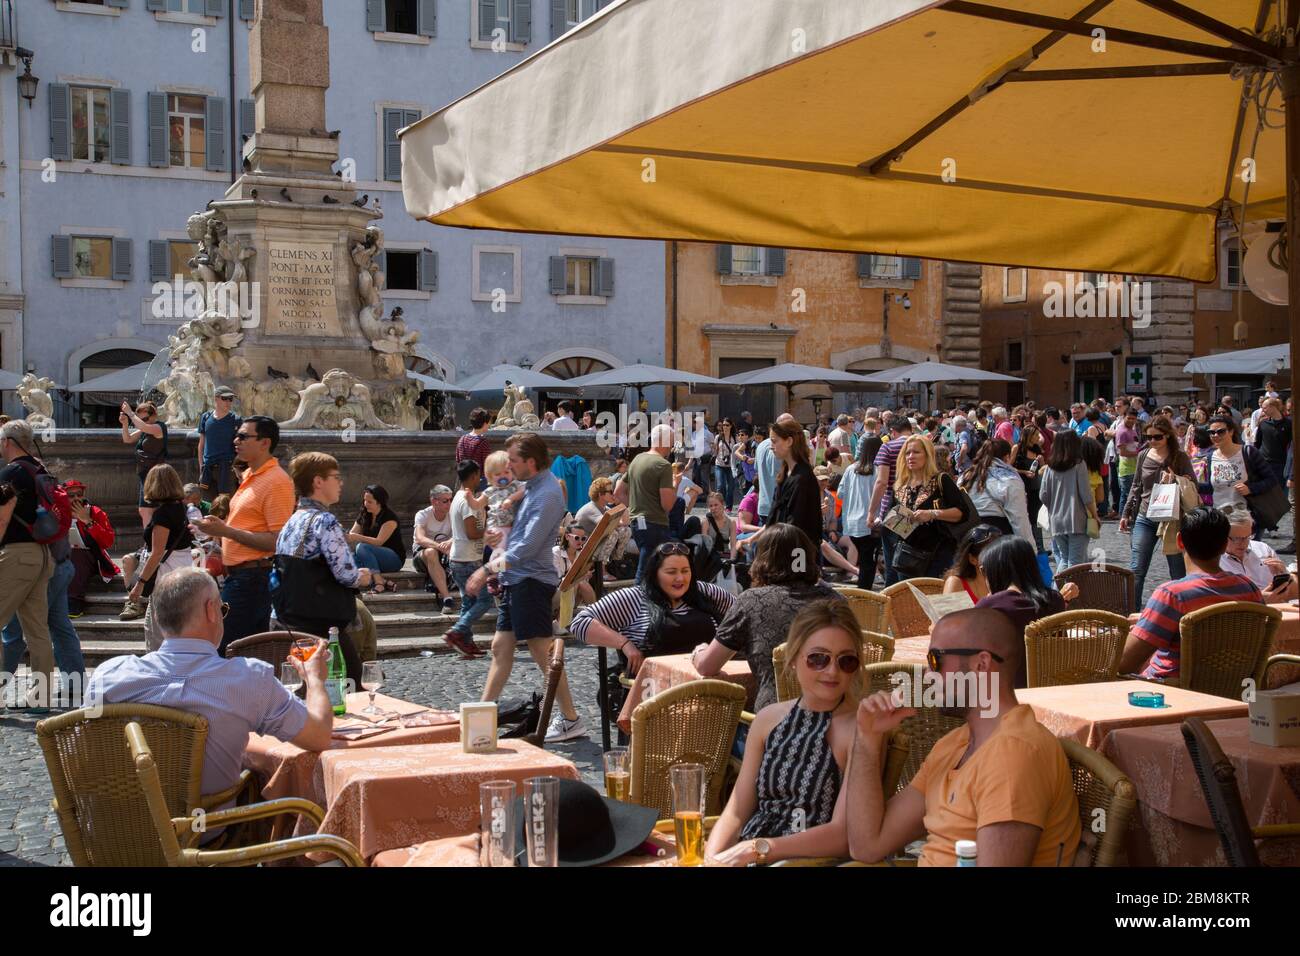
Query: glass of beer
x=497 y=822
x=542 y=807
x=688 y=782
x=618 y=773
x=303 y=648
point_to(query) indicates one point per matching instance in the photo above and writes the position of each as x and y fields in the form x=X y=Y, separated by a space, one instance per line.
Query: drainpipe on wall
x=236 y=147
x=674 y=271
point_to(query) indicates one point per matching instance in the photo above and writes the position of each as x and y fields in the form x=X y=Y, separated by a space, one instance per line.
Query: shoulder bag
x=305 y=589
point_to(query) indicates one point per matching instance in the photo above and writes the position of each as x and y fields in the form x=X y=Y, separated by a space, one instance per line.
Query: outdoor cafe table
x=1089 y=712
x=385 y=798
x=283 y=770
x=660 y=673
x=1285 y=641
x=464 y=851
x=1174 y=828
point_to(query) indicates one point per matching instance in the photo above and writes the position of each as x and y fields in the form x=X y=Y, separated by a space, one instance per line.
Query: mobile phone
x=1279 y=581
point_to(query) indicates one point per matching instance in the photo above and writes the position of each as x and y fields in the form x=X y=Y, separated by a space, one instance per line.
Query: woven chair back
x=1223 y=646
x=1074 y=647
x=1102 y=587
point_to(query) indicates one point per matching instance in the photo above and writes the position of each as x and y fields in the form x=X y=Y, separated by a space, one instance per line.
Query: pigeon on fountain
x=312 y=373
x=329 y=200
x=284 y=194
x=361 y=203
x=276 y=373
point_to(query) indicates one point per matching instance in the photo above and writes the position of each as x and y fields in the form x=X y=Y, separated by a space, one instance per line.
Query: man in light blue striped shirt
x=238 y=696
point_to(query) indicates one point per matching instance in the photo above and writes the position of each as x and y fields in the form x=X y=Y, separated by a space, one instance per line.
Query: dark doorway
x=1093 y=378
x=759 y=401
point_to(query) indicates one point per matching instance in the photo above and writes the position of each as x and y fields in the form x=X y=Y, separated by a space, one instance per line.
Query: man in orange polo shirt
x=1002 y=780
x=259 y=508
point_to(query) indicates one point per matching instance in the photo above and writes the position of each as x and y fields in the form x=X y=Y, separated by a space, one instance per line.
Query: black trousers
x=868 y=547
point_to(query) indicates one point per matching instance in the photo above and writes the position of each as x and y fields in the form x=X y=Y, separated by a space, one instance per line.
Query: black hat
x=593 y=829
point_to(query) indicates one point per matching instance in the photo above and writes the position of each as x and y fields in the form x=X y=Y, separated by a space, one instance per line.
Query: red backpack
x=53 y=512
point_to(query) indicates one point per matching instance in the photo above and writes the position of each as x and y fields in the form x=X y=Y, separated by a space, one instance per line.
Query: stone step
x=96 y=652
x=406 y=579
x=102 y=603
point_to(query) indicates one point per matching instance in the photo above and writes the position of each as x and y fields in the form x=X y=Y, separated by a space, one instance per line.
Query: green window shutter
x=392 y=146
x=60 y=121
x=120 y=4
x=122 y=259
x=911 y=268
x=559 y=18
x=159 y=154
x=214 y=140
x=246 y=9
x=605 y=277
x=157 y=6
x=214 y=8
x=521 y=21
x=427 y=271
x=559 y=283
x=247 y=119
x=119 y=121
x=426 y=18
x=487 y=18
x=775 y=262
x=61 y=254
x=375 y=18
x=864 y=266
x=724 y=259
x=159 y=260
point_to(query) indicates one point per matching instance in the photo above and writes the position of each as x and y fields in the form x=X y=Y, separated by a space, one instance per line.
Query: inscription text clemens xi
x=300 y=293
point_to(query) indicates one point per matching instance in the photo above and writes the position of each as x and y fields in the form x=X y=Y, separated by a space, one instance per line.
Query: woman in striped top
x=789 y=800
x=669 y=612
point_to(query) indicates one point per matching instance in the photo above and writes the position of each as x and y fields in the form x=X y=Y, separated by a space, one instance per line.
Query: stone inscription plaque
x=300 y=295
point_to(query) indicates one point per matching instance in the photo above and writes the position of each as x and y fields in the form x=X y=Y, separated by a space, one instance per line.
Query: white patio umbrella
x=431 y=384
x=639 y=375
x=1266 y=360
x=927 y=373
x=134 y=378
x=498 y=377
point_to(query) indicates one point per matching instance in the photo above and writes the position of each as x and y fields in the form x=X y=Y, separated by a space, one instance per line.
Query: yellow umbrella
x=1106 y=136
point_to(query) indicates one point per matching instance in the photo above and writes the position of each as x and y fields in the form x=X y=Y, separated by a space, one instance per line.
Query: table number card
x=478 y=727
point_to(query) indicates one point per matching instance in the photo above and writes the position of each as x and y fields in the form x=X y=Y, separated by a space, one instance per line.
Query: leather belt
x=263 y=564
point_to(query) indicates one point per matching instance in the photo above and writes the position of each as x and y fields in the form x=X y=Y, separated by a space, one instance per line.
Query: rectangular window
x=886 y=267
x=747 y=260
x=1015 y=356
x=578 y=10
x=90 y=124
x=579 y=276
x=186 y=6
x=1015 y=285
x=1232 y=265
x=496 y=270
x=403 y=270
x=186 y=130
x=92 y=258
x=401 y=16
x=179 y=255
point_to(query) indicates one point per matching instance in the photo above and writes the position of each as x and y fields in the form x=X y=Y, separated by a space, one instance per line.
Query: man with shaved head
x=1002 y=780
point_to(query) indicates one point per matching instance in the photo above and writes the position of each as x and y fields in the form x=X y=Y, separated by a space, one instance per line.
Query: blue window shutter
x=487 y=18
x=160 y=260
x=157 y=6
x=559 y=279
x=119 y=113
x=911 y=268
x=427 y=271
x=521 y=21
x=247 y=119
x=375 y=19
x=159 y=154
x=60 y=121
x=120 y=4
x=724 y=259
x=214 y=138
x=426 y=18
x=392 y=146
x=864 y=266
x=61 y=253
x=214 y=8
x=122 y=259
x=246 y=9
x=381 y=260
x=410 y=117
x=559 y=18
x=775 y=262
x=605 y=277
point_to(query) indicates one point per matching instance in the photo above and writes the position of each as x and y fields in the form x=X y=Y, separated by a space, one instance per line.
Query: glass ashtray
x=1147 y=698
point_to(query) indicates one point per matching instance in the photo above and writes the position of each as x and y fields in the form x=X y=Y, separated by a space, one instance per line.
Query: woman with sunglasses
x=1237 y=472
x=724 y=450
x=787 y=801
x=377 y=535
x=563 y=555
x=1071 y=504
x=784 y=579
x=1161 y=461
x=149 y=435
x=966 y=573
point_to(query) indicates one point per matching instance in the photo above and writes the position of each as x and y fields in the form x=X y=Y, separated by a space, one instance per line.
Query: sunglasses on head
x=820 y=660
x=935 y=655
x=673 y=548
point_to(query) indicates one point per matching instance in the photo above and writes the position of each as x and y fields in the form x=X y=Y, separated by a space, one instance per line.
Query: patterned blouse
x=627 y=611
x=798 y=779
x=318 y=533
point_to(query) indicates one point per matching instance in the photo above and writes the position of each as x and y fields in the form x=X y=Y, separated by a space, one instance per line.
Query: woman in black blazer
x=798 y=498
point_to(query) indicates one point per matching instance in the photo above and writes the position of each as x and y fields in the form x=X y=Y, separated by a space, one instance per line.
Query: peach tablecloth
x=661 y=673
x=1174 y=827
x=1287 y=641
x=385 y=798
x=283 y=770
x=911 y=650
x=1088 y=712
x=464 y=851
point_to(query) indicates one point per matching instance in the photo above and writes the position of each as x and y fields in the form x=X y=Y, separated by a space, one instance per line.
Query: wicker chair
x=905 y=614
x=1105 y=587
x=1098 y=783
x=916 y=735
x=1224 y=645
x=691 y=723
x=1279 y=660
x=96 y=795
x=1218 y=781
x=270 y=646
x=876 y=649
x=177 y=834
x=1074 y=647
x=871 y=609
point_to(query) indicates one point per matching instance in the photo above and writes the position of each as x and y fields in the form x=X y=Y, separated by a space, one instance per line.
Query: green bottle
x=336 y=682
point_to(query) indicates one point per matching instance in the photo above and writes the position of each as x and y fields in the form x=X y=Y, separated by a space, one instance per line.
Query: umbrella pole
x=1291 y=97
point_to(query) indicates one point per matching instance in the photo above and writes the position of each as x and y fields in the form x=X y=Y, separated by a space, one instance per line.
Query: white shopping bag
x=726 y=579
x=1164 y=503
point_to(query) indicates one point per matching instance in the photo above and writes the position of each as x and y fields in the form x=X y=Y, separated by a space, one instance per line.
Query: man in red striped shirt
x=1153 y=643
x=474 y=445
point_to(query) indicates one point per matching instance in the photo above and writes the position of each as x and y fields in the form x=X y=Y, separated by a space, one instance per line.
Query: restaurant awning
x=1266 y=360
x=125 y=381
x=928 y=373
x=994 y=133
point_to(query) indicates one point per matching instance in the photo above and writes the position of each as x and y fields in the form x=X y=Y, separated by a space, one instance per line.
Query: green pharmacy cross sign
x=1137 y=375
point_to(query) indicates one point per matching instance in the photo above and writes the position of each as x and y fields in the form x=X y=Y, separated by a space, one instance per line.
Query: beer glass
x=496 y=800
x=688 y=784
x=542 y=809
x=618 y=773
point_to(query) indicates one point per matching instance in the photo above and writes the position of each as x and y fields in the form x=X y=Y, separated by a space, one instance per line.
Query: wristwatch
x=762 y=847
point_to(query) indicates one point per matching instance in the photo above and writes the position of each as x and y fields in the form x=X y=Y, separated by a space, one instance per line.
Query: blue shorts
x=525 y=608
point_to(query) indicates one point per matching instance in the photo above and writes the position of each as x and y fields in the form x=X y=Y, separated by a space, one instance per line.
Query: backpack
x=53 y=513
x=978 y=437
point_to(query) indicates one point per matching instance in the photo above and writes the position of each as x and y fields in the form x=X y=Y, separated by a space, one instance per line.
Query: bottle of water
x=336 y=682
x=966 y=853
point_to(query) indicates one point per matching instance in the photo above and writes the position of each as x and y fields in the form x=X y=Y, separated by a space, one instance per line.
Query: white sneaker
x=562 y=729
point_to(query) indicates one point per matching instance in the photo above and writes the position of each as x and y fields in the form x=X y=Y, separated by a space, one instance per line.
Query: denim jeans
x=726 y=484
x=471 y=609
x=384 y=560
x=249 y=595
x=647 y=539
x=1145 y=541
x=1069 y=550
x=67 y=646
x=1125 y=484
x=887 y=541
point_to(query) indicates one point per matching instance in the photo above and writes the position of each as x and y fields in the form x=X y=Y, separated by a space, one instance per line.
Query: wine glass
x=372 y=678
x=290 y=677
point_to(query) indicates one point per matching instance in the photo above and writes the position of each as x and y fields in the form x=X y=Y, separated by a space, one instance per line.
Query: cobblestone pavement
x=29 y=832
